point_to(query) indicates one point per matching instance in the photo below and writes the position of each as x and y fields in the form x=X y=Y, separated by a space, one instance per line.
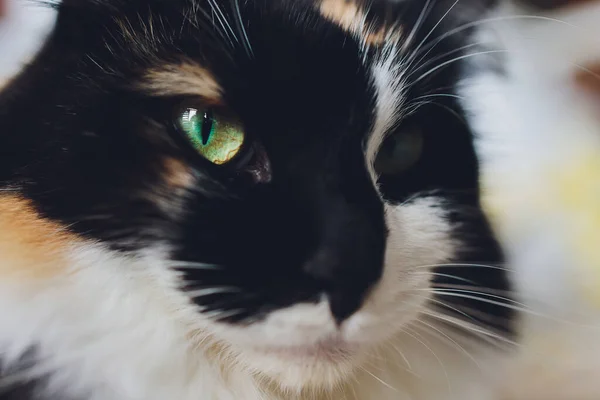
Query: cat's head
x=299 y=174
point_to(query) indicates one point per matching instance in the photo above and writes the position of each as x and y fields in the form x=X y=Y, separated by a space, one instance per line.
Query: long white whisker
x=420 y=20
x=193 y=265
x=221 y=314
x=483 y=297
x=242 y=28
x=468 y=326
x=458 y=278
x=488 y=292
x=404 y=358
x=446 y=63
x=222 y=35
x=212 y=291
x=443 y=304
x=428 y=96
x=463 y=294
x=223 y=21
x=444 y=337
x=406 y=331
x=469 y=25
x=470 y=312
x=417 y=64
x=379 y=379
x=451 y=111
x=416 y=52
x=464 y=332
x=465 y=265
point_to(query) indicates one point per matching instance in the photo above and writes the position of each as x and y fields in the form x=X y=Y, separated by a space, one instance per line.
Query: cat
x=215 y=199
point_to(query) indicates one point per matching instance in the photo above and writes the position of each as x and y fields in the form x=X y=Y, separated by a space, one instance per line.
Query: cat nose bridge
x=349 y=252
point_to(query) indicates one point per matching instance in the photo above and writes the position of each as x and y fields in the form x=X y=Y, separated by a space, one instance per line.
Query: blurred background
x=23 y=24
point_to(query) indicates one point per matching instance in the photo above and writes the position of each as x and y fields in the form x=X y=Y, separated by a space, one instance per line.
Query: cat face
x=296 y=173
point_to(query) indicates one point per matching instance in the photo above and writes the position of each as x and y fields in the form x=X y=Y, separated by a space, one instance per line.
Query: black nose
x=348 y=259
x=344 y=302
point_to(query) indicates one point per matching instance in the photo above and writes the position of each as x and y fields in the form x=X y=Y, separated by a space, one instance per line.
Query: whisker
x=416 y=51
x=463 y=265
x=445 y=107
x=468 y=326
x=493 y=293
x=222 y=314
x=404 y=358
x=480 y=295
x=445 y=338
x=443 y=304
x=464 y=295
x=379 y=379
x=223 y=21
x=465 y=334
x=193 y=265
x=426 y=10
x=242 y=28
x=472 y=24
x=212 y=291
x=454 y=96
x=406 y=331
x=469 y=312
x=449 y=276
x=456 y=59
x=216 y=34
x=418 y=64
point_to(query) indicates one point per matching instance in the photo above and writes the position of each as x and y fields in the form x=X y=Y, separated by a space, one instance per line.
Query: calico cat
x=248 y=199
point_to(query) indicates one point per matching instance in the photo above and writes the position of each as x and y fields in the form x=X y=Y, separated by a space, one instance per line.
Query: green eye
x=400 y=152
x=214 y=137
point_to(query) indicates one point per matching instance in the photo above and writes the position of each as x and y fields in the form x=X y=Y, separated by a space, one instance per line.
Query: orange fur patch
x=186 y=78
x=31 y=247
x=352 y=18
x=345 y=13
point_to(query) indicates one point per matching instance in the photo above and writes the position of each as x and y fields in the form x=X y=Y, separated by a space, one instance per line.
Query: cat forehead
x=373 y=22
x=206 y=48
x=367 y=21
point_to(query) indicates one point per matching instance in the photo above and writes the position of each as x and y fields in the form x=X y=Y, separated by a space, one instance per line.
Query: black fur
x=88 y=148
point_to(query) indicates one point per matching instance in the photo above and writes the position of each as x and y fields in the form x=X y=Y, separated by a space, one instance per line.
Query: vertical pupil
x=207 y=127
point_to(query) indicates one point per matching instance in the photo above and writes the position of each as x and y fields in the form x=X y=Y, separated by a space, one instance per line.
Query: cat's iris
x=399 y=152
x=214 y=137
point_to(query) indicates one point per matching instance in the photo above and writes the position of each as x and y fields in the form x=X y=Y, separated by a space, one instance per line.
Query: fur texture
x=137 y=270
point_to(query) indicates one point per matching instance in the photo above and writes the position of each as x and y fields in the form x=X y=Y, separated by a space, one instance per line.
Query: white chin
x=332 y=350
x=321 y=366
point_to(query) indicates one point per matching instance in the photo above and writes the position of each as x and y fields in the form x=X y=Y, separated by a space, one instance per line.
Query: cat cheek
x=34 y=249
x=177 y=175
